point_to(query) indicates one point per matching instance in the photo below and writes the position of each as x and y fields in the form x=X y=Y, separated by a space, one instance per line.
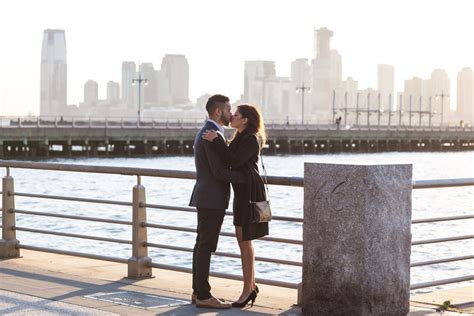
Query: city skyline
x=219 y=67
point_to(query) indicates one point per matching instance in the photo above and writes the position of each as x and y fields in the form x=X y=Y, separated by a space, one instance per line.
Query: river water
x=286 y=201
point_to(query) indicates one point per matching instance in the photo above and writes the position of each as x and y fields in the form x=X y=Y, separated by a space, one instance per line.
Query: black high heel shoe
x=251 y=298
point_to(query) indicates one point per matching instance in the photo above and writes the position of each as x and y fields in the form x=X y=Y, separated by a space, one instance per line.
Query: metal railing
x=196 y=122
x=9 y=226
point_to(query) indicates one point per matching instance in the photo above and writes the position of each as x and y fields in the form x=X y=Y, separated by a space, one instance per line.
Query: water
x=285 y=201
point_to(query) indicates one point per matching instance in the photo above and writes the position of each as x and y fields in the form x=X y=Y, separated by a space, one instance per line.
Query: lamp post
x=442 y=96
x=431 y=114
x=410 y=111
x=400 y=109
x=345 y=109
x=303 y=88
x=368 y=110
x=139 y=80
x=379 y=111
x=389 y=110
x=357 y=109
x=420 y=114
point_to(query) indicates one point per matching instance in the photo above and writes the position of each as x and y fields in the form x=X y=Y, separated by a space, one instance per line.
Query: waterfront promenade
x=375 y=239
x=45 y=284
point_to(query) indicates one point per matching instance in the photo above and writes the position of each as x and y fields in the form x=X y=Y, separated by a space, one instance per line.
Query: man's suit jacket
x=212 y=188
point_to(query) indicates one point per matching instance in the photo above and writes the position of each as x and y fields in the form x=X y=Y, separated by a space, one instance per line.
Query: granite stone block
x=357 y=239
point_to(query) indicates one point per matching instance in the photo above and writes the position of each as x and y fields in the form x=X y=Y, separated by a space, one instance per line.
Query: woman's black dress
x=242 y=155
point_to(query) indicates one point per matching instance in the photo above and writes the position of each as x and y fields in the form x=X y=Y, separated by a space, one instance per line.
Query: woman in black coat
x=242 y=155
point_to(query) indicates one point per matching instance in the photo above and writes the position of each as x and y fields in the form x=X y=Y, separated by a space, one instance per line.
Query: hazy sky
x=415 y=36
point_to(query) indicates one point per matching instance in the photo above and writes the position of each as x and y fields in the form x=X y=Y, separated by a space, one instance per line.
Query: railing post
x=8 y=244
x=138 y=264
x=356 y=239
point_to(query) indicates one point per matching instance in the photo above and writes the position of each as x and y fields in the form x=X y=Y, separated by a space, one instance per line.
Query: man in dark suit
x=211 y=198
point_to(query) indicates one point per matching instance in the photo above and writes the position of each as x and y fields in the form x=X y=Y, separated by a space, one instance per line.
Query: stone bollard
x=356 y=239
x=138 y=264
x=8 y=244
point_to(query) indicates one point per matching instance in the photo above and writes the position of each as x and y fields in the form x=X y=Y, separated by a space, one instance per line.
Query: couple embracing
x=217 y=165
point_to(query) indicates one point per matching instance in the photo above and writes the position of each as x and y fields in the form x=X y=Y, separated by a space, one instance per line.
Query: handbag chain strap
x=265 y=176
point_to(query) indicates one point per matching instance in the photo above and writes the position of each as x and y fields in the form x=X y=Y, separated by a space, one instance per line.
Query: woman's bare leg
x=248 y=259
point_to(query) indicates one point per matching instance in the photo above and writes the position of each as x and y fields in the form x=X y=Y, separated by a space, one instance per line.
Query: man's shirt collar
x=219 y=127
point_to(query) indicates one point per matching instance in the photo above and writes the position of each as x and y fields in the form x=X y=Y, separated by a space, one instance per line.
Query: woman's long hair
x=255 y=123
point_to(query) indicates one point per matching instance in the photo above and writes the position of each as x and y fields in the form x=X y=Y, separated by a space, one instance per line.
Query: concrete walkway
x=48 y=284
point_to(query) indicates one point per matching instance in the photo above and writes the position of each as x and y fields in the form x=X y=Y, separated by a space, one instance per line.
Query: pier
x=26 y=138
x=82 y=283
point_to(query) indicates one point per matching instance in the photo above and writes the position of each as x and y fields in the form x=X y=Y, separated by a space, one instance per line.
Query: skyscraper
x=53 y=85
x=129 y=72
x=91 y=93
x=256 y=74
x=113 y=92
x=327 y=75
x=386 y=84
x=441 y=85
x=150 y=90
x=176 y=69
x=414 y=89
x=351 y=87
x=300 y=74
x=322 y=43
x=465 y=95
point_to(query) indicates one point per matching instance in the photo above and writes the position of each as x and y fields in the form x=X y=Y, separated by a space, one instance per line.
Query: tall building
x=327 y=75
x=113 y=93
x=322 y=43
x=150 y=90
x=202 y=101
x=91 y=93
x=176 y=70
x=129 y=72
x=465 y=95
x=351 y=87
x=277 y=98
x=256 y=75
x=412 y=93
x=440 y=91
x=164 y=96
x=53 y=86
x=300 y=76
x=368 y=102
x=386 y=85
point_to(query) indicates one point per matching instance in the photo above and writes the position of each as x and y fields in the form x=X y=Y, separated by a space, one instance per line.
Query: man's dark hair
x=214 y=101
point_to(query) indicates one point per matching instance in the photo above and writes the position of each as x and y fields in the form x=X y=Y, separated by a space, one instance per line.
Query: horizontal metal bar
x=181 y=174
x=437 y=240
x=193 y=230
x=162 y=173
x=442 y=183
x=441 y=282
x=99 y=169
x=168 y=207
x=227 y=254
x=441 y=219
x=67 y=198
x=193 y=210
x=73 y=253
x=82 y=218
x=49 y=232
x=226 y=276
x=436 y=261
